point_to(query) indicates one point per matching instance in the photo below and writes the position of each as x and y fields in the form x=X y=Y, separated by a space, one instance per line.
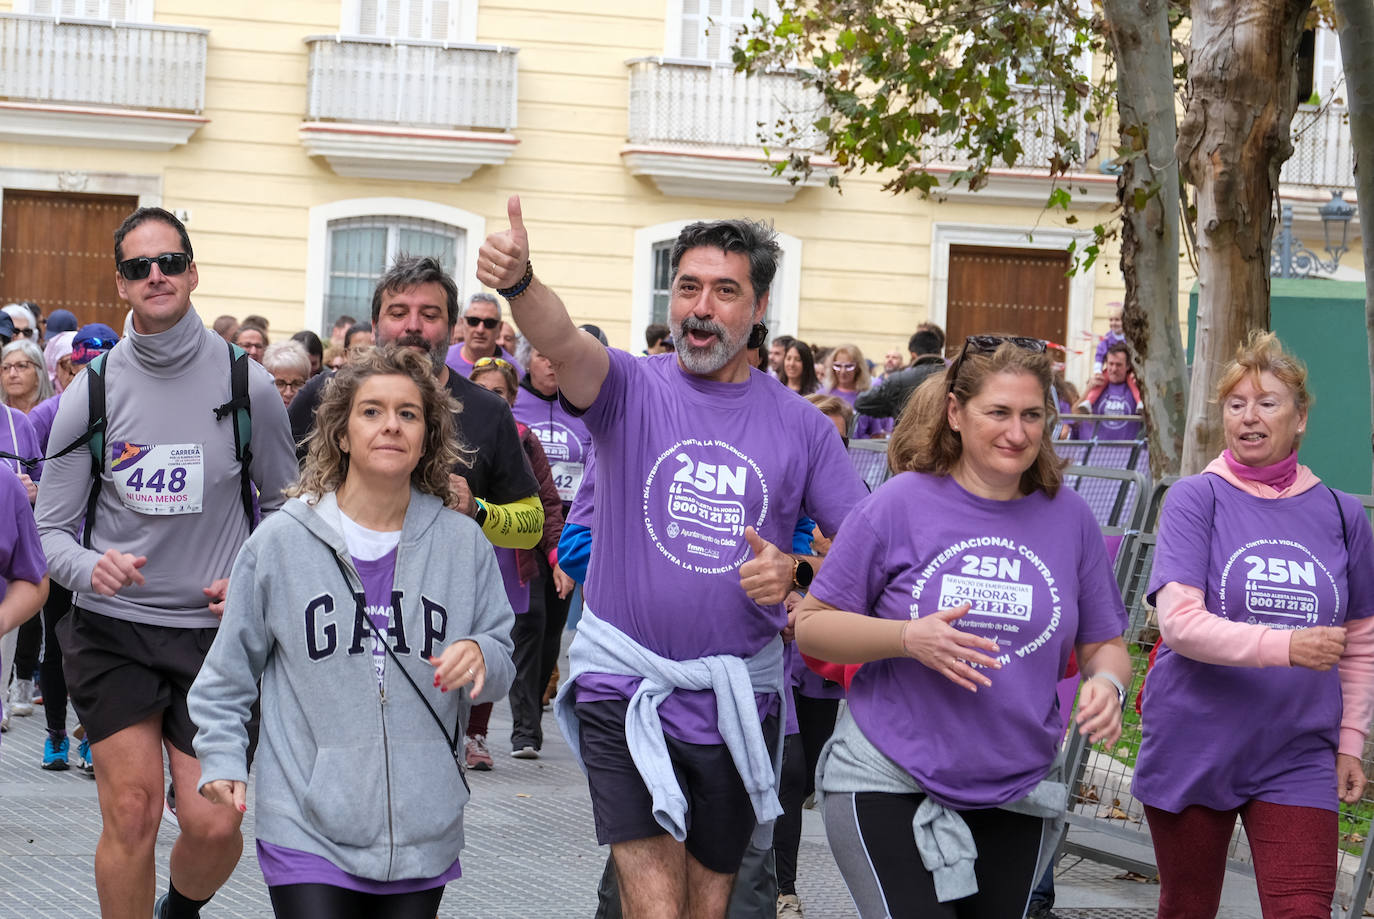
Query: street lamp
x=1288 y=258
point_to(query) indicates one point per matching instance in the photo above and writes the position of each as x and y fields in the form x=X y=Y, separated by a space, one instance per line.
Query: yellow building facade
x=306 y=142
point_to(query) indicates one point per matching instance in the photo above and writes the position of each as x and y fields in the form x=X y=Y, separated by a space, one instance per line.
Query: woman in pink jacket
x=1262 y=694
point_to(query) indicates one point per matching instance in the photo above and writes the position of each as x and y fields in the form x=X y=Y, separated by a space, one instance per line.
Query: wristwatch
x=802 y=574
x=1116 y=684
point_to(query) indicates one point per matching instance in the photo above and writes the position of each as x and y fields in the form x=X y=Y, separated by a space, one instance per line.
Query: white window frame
x=1082 y=285
x=462 y=22
x=474 y=229
x=136 y=10
x=786 y=310
x=672 y=33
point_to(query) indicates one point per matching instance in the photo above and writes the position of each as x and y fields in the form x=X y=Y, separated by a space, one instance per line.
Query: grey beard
x=703 y=361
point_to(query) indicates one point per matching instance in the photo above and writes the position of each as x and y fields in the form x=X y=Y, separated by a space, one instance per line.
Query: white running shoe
x=21 y=698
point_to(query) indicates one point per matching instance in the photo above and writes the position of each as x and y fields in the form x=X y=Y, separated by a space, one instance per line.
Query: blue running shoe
x=55 y=754
x=84 y=751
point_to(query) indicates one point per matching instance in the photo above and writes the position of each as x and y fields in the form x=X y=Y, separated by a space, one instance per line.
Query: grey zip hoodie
x=358 y=775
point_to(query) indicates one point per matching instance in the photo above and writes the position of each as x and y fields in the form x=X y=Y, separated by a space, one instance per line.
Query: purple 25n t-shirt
x=1116 y=399
x=683 y=466
x=1036 y=571
x=1220 y=736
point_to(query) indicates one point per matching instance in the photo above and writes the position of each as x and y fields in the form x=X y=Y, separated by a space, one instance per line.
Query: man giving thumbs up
x=704 y=467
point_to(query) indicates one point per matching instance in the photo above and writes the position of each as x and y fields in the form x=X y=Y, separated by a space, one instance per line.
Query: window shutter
x=1328 y=77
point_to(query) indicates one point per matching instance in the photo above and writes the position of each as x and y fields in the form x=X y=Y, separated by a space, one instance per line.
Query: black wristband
x=510 y=293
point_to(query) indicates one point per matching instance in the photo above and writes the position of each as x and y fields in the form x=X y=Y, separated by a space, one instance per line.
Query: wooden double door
x=993 y=289
x=57 y=249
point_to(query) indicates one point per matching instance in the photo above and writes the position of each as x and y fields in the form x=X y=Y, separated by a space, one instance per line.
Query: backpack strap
x=241 y=407
x=95 y=438
x=1345 y=532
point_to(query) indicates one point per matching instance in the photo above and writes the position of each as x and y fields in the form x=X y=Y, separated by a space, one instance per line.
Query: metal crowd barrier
x=870 y=461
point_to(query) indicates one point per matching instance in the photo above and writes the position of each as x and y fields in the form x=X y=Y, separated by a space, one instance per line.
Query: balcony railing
x=122 y=64
x=1036 y=116
x=702 y=103
x=1322 y=152
x=416 y=83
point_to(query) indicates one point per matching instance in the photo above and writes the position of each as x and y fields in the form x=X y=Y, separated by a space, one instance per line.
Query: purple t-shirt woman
x=1037 y=574
x=1220 y=736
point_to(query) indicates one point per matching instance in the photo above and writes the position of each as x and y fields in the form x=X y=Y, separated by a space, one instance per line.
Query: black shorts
x=119 y=673
x=720 y=816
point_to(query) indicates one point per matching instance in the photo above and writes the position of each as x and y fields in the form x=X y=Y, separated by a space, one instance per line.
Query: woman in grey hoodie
x=372 y=616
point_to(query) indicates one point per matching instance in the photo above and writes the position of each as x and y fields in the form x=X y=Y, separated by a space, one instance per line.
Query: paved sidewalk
x=531 y=853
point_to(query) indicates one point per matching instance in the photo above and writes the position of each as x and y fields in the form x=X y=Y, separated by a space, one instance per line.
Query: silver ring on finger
x=472 y=671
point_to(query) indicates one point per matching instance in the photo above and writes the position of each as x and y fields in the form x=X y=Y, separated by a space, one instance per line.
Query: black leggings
x=787 y=830
x=871 y=836
x=50 y=670
x=324 y=901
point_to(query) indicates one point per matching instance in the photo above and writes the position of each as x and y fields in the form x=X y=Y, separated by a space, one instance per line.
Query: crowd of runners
x=313 y=565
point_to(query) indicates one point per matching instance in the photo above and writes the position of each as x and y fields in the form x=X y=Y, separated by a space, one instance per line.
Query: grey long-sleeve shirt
x=161 y=391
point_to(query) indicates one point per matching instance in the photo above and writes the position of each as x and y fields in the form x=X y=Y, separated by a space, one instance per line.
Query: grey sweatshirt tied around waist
x=850 y=764
x=600 y=647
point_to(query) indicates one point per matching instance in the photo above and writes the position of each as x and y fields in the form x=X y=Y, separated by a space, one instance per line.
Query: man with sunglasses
x=704 y=466
x=482 y=327
x=149 y=566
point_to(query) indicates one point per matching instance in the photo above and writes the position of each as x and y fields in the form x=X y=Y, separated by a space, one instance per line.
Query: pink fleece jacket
x=1190 y=629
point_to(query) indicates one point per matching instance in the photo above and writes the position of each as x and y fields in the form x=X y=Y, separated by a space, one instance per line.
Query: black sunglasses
x=169 y=263
x=988 y=344
x=489 y=324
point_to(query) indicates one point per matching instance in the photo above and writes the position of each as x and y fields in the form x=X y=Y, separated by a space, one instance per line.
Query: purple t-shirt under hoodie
x=1220 y=736
x=374 y=557
x=1036 y=571
x=684 y=465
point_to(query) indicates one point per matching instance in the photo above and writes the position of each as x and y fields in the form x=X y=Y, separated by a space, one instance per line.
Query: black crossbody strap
x=451 y=739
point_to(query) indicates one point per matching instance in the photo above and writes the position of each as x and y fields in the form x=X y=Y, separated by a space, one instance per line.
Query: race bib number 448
x=158 y=479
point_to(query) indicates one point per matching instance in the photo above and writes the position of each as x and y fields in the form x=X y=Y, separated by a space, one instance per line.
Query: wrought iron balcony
x=383 y=108
x=699 y=129
x=123 y=84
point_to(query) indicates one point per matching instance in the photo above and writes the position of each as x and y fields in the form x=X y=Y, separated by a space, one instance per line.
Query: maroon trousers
x=1293 y=850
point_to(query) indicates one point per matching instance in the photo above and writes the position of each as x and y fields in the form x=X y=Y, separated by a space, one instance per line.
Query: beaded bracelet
x=510 y=293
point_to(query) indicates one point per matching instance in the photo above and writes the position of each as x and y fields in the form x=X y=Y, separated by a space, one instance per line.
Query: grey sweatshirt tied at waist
x=600 y=647
x=850 y=764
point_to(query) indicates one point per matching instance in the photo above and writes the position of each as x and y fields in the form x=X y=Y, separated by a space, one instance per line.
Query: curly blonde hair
x=326 y=465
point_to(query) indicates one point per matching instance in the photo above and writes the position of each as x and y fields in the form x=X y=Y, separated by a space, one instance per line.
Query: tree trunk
x=1355 y=25
x=1235 y=137
x=1150 y=234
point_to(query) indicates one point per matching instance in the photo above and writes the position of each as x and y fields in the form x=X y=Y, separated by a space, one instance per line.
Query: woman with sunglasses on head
x=359 y=608
x=799 y=369
x=962 y=585
x=1260 y=700
x=519 y=567
x=846 y=377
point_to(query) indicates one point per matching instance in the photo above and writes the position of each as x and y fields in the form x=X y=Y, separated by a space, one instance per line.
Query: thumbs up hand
x=501 y=260
x=767 y=576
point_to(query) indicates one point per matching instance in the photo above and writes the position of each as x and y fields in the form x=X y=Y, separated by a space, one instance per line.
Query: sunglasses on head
x=473 y=322
x=169 y=263
x=491 y=362
x=988 y=344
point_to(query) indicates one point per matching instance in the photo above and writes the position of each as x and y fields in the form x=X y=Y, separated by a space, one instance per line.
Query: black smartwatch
x=802 y=574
